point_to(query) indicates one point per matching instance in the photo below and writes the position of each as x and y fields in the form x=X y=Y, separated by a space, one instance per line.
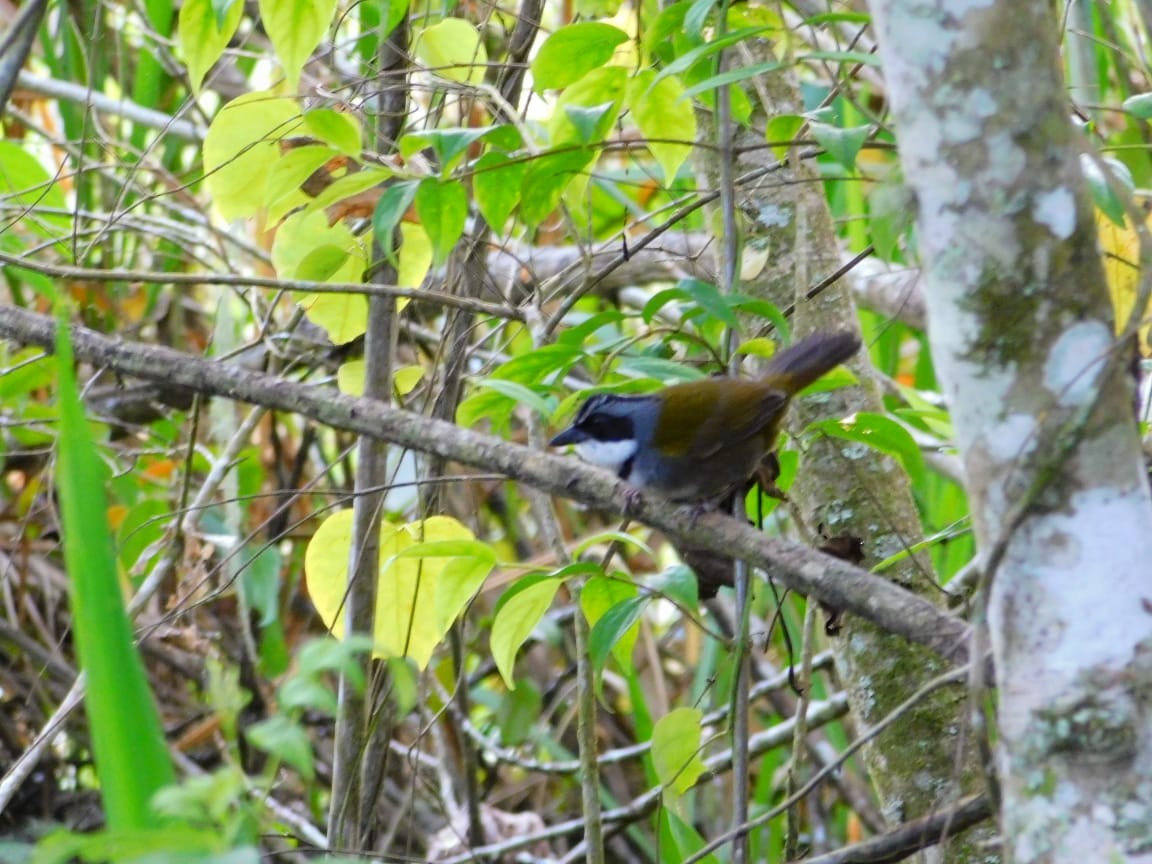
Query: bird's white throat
x=607 y=454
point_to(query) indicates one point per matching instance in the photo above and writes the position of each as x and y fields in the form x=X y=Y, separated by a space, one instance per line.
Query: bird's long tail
x=800 y=364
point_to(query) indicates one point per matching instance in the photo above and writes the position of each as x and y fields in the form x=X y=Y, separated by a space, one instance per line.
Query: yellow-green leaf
x=573 y=51
x=283 y=193
x=453 y=49
x=350 y=378
x=429 y=571
x=415 y=258
x=665 y=117
x=343 y=316
x=301 y=233
x=202 y=37
x=296 y=28
x=421 y=593
x=241 y=147
x=337 y=128
x=676 y=749
x=514 y=622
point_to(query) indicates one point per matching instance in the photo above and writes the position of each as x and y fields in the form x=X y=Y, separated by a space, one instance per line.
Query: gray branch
x=829 y=580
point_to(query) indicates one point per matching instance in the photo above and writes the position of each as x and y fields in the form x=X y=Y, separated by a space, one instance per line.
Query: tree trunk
x=1023 y=341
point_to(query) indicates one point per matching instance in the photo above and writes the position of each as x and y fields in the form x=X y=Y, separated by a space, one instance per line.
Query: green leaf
x=781 y=133
x=697 y=16
x=453 y=50
x=708 y=297
x=573 y=51
x=732 y=76
x=442 y=206
x=517 y=712
x=337 y=128
x=1103 y=194
x=26 y=184
x=591 y=122
x=863 y=57
x=665 y=117
x=496 y=184
x=518 y=393
x=614 y=627
x=880 y=433
x=676 y=749
x=678 y=584
x=281 y=737
x=666 y=371
x=1139 y=106
x=600 y=92
x=843 y=145
x=296 y=28
x=126 y=737
x=546 y=179
x=690 y=58
x=889 y=217
x=448 y=144
x=322 y=263
x=203 y=32
x=390 y=209
x=514 y=622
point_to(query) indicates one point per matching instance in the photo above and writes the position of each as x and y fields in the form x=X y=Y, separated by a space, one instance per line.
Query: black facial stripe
x=607 y=427
x=626 y=469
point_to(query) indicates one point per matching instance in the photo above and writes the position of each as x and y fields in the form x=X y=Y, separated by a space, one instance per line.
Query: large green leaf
x=573 y=51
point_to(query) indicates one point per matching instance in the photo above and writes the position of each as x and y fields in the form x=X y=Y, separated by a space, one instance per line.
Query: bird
x=699 y=441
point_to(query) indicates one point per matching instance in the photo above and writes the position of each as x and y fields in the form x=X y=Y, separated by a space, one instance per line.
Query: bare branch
x=833 y=582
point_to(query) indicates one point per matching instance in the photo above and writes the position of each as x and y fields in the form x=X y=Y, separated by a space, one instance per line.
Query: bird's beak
x=571 y=435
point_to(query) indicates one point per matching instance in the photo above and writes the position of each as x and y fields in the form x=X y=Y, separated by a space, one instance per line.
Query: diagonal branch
x=807 y=571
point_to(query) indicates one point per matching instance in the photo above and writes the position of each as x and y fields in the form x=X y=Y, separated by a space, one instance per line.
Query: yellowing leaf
x=301 y=234
x=676 y=749
x=453 y=50
x=429 y=571
x=665 y=117
x=406 y=378
x=296 y=28
x=1121 y=248
x=306 y=245
x=514 y=622
x=350 y=378
x=421 y=589
x=241 y=147
x=343 y=316
x=415 y=258
x=201 y=38
x=326 y=569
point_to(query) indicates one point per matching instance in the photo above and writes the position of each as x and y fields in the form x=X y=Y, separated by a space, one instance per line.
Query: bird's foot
x=632 y=499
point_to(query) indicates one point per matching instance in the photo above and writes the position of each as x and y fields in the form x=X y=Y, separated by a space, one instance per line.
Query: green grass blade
x=127 y=740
